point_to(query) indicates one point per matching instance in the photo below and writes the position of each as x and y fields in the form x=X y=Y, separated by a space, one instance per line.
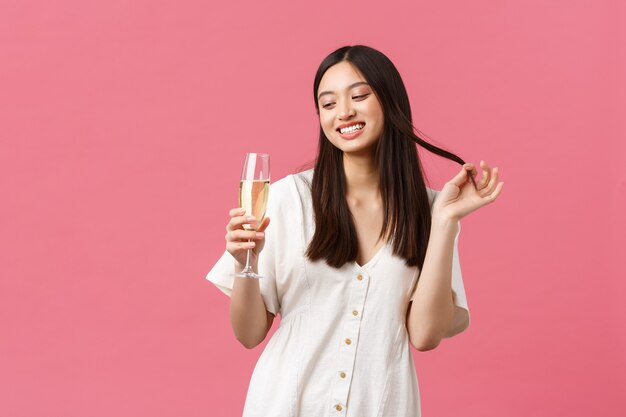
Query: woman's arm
x=248 y=317
x=430 y=316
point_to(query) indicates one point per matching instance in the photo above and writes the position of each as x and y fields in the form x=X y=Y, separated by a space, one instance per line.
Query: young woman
x=360 y=258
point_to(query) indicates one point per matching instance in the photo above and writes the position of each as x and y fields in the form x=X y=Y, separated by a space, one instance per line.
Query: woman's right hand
x=237 y=237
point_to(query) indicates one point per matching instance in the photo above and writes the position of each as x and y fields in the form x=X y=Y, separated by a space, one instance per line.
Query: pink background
x=123 y=128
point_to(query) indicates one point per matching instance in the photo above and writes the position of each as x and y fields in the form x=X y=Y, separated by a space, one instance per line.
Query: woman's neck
x=362 y=176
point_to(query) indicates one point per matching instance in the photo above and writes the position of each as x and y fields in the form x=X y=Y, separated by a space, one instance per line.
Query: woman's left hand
x=458 y=198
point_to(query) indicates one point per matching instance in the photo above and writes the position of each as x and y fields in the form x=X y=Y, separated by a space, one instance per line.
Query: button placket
x=349 y=339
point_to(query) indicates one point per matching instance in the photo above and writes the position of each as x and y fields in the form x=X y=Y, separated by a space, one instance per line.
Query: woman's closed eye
x=358 y=98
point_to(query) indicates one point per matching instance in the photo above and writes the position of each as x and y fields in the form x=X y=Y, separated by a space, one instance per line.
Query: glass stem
x=248 y=268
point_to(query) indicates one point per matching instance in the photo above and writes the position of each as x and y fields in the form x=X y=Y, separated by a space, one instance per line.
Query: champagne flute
x=254 y=189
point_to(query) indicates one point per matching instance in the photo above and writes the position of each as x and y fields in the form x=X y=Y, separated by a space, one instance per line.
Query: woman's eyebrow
x=351 y=86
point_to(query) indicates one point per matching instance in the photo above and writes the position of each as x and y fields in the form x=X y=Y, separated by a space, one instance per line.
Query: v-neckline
x=372 y=259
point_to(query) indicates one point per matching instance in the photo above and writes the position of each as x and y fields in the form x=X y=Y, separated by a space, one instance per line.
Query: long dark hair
x=406 y=207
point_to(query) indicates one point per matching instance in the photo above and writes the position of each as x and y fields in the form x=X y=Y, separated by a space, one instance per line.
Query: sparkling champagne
x=253 y=197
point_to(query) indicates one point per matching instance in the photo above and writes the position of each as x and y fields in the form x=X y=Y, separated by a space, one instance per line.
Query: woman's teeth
x=351 y=129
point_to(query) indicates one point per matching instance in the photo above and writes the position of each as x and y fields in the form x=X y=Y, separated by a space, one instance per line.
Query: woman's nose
x=346 y=111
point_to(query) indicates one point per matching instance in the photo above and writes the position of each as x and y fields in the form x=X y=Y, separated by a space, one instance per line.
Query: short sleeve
x=461 y=311
x=220 y=274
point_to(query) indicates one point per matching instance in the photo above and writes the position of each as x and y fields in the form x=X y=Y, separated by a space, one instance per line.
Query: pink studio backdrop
x=123 y=127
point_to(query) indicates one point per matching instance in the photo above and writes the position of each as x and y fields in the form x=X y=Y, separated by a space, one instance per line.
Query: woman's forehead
x=341 y=76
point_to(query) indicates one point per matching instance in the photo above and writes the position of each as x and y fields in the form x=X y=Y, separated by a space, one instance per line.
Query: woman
x=342 y=257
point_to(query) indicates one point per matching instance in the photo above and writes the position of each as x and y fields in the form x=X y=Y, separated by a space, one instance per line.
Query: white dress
x=342 y=347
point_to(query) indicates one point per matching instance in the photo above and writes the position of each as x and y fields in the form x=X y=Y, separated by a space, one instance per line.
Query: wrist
x=444 y=224
x=241 y=266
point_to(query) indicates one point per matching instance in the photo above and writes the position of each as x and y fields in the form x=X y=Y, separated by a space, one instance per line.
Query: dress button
x=354 y=312
x=348 y=341
x=342 y=374
x=338 y=407
x=359 y=277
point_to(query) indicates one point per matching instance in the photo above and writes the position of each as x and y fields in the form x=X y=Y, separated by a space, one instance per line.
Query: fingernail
x=250 y=218
x=260 y=234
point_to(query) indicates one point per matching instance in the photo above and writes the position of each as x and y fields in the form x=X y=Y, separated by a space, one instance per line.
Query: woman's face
x=350 y=114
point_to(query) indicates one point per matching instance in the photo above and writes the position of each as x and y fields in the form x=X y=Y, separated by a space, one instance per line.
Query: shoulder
x=299 y=184
x=302 y=184
x=303 y=177
x=290 y=187
x=282 y=186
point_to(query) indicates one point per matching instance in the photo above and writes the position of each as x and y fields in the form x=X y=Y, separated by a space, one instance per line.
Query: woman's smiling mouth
x=350 y=131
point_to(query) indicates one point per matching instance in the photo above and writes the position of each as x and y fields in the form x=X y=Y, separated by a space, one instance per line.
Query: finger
x=234 y=247
x=492 y=183
x=486 y=174
x=462 y=176
x=492 y=197
x=238 y=222
x=241 y=234
x=238 y=211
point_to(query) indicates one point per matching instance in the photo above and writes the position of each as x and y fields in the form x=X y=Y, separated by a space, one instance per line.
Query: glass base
x=243 y=274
